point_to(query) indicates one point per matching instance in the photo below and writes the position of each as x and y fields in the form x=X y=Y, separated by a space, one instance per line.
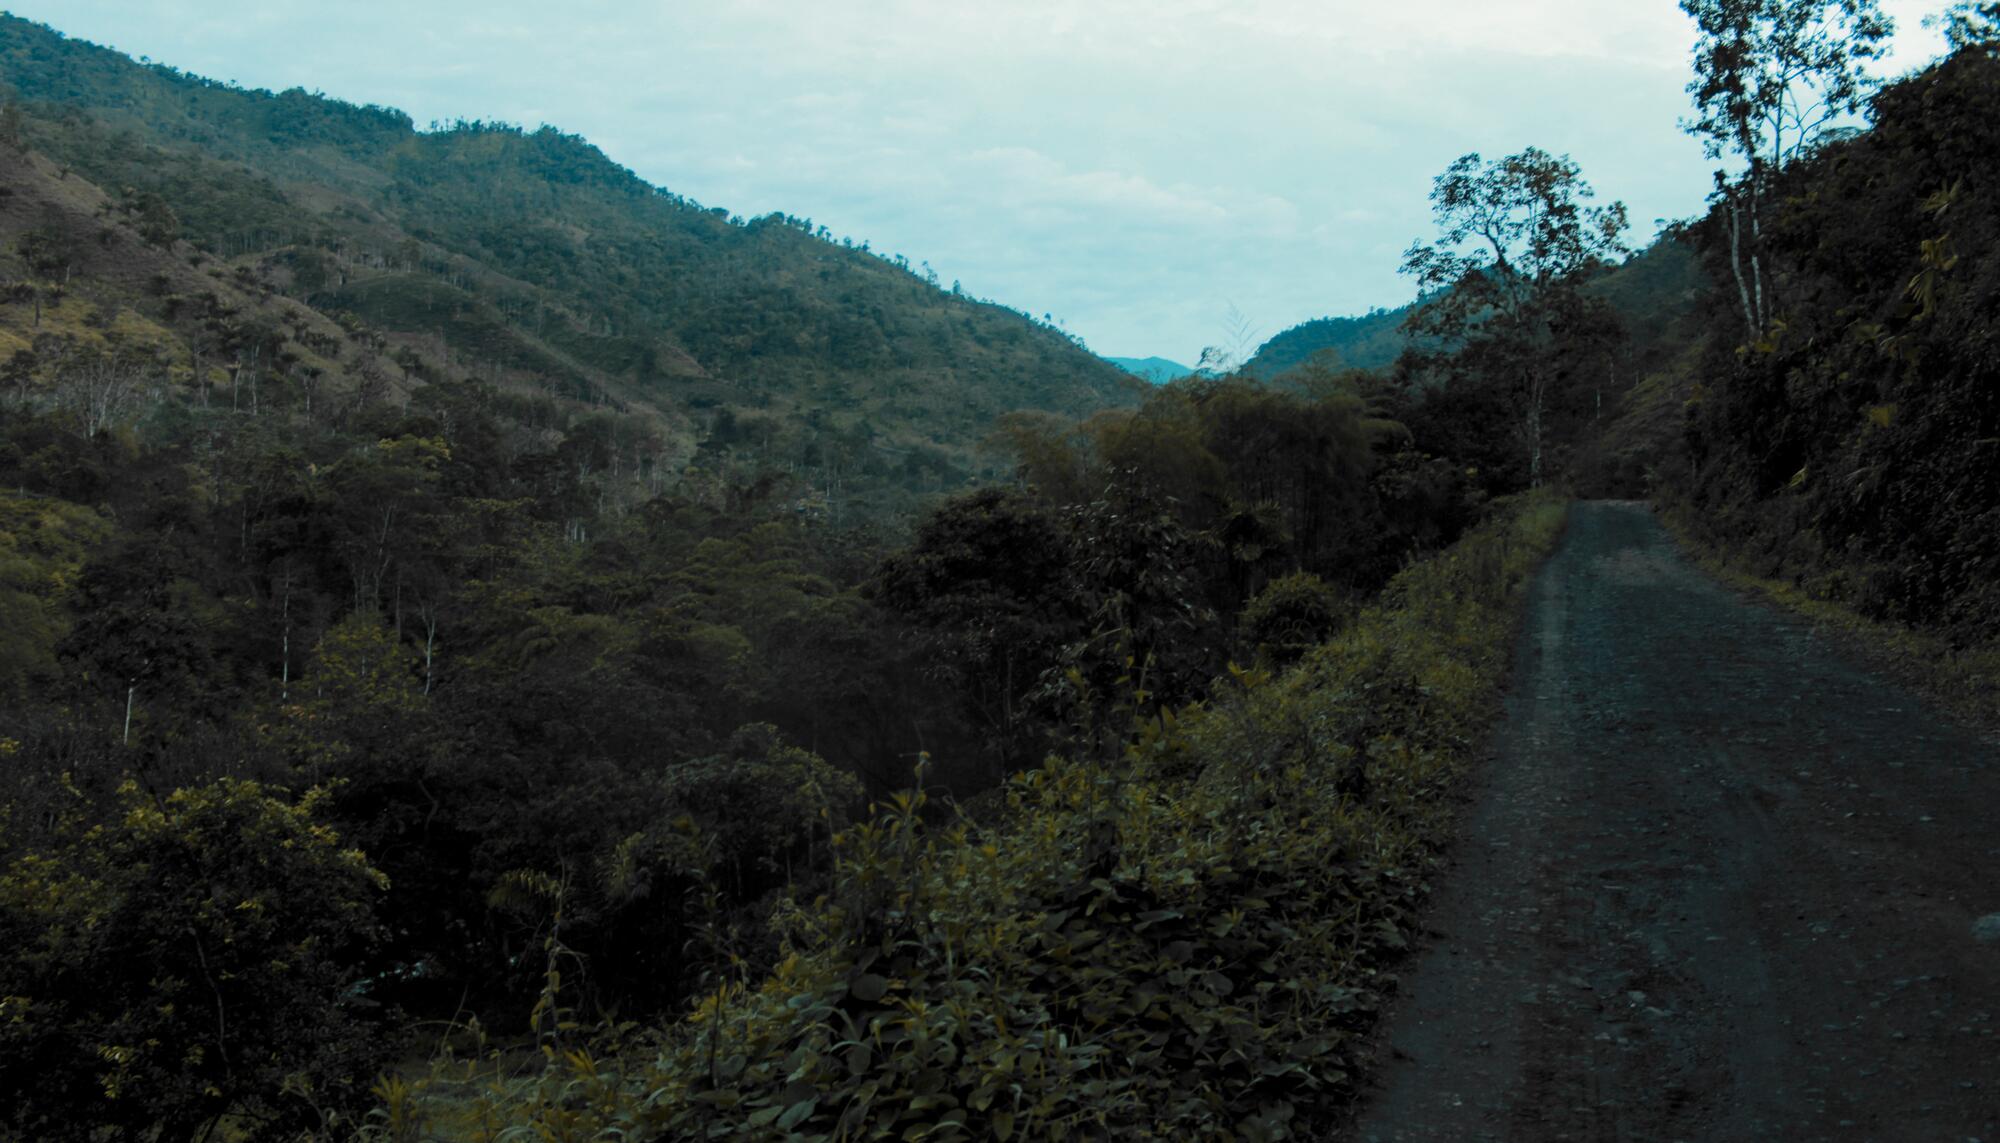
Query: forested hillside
x=380 y=646
x=529 y=259
x=489 y=646
x=1853 y=445
x=1372 y=341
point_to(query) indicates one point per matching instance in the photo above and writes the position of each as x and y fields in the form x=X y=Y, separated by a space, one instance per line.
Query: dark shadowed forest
x=488 y=644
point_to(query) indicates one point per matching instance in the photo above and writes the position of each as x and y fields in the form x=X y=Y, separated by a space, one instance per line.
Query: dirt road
x=1717 y=882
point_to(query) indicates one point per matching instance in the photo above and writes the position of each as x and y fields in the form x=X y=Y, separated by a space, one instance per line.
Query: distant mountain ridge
x=531 y=259
x=1158 y=370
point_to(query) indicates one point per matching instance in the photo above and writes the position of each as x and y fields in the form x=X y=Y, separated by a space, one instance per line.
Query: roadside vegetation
x=716 y=681
x=1846 y=456
x=1185 y=938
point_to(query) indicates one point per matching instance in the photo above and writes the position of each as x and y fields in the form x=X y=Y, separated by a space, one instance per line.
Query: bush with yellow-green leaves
x=1188 y=942
x=184 y=969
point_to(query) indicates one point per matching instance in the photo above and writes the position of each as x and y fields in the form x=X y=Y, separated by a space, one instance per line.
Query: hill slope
x=1653 y=292
x=1371 y=341
x=529 y=257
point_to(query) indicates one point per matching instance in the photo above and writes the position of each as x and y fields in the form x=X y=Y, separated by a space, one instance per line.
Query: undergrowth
x=1188 y=941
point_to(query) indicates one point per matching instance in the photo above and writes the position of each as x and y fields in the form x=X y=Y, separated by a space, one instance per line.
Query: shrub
x=1290 y=617
x=1184 y=943
x=189 y=961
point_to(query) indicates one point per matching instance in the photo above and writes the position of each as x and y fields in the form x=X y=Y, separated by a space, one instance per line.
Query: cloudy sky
x=1134 y=169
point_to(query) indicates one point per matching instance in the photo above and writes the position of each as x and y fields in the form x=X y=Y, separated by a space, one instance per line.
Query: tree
x=196 y=957
x=1969 y=25
x=157 y=222
x=43 y=544
x=1502 y=283
x=990 y=586
x=50 y=250
x=11 y=122
x=99 y=390
x=1771 y=78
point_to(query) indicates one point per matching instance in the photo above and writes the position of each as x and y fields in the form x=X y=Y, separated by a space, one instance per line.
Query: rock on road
x=1717 y=882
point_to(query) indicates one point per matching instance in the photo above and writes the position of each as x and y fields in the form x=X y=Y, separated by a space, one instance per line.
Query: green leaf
x=868 y=987
x=1003 y=1125
x=796 y=1114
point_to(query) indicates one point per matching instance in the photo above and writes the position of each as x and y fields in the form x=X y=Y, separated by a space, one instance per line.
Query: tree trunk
x=1537 y=395
x=1757 y=260
x=285 y=684
x=430 y=644
x=1736 y=264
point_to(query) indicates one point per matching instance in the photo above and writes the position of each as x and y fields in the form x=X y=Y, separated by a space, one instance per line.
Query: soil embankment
x=1715 y=883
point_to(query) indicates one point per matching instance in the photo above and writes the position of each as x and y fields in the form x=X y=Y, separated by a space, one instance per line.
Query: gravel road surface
x=1716 y=882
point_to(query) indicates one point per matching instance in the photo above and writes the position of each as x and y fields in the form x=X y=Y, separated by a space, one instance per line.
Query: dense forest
x=488 y=643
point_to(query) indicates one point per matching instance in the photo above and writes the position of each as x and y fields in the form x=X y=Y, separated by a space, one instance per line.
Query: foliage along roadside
x=1964 y=679
x=1840 y=457
x=1853 y=445
x=1187 y=942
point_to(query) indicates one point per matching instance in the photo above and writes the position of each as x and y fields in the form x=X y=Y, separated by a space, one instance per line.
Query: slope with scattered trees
x=532 y=260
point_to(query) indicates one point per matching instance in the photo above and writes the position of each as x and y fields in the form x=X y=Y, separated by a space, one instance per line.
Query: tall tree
x=1502 y=282
x=1771 y=78
x=1967 y=24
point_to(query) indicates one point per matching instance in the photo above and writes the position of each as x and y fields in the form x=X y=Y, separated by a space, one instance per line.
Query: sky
x=1141 y=171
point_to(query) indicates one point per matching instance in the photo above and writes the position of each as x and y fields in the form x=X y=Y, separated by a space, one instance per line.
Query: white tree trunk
x=1736 y=265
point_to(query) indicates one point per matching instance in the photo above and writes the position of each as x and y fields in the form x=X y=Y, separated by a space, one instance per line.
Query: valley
x=492 y=647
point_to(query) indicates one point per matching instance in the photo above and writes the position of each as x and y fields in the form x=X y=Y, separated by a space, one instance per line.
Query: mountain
x=1371 y=341
x=531 y=260
x=1158 y=370
x=90 y=278
x=1653 y=292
